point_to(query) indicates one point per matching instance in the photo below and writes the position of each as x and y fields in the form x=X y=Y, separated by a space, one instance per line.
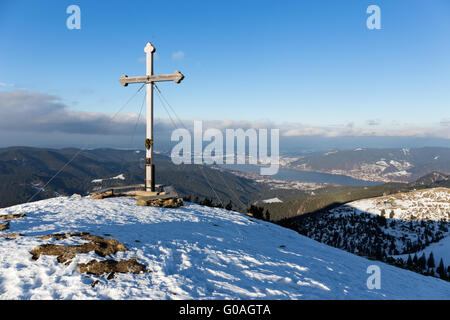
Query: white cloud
x=4 y=84
x=292 y=129
x=178 y=55
x=21 y=110
x=345 y=131
x=373 y=122
x=43 y=113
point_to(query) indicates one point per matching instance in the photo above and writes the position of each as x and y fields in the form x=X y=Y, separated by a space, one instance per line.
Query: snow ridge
x=194 y=252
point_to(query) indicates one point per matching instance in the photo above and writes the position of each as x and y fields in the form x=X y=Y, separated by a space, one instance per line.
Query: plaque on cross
x=149 y=79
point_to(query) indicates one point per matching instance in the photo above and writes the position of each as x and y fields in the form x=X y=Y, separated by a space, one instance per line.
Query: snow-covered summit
x=192 y=252
x=425 y=204
x=272 y=200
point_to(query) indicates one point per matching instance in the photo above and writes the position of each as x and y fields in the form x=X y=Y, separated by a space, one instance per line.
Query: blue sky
x=308 y=62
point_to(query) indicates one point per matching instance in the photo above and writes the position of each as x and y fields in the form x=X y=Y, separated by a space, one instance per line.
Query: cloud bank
x=34 y=112
x=22 y=110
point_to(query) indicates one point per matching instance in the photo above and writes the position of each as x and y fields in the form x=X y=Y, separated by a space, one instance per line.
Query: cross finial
x=149 y=48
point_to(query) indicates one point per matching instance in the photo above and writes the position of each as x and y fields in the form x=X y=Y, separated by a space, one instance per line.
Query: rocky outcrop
x=12 y=216
x=99 y=245
x=4 y=226
x=165 y=203
x=111 y=266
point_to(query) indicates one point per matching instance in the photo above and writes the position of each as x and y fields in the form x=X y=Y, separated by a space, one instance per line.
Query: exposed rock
x=76 y=195
x=61 y=236
x=142 y=203
x=94 y=283
x=103 y=195
x=12 y=216
x=99 y=245
x=11 y=236
x=165 y=203
x=111 y=266
x=4 y=226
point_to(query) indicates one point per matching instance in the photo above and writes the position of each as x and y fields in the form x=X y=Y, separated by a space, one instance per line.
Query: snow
x=193 y=252
x=382 y=163
x=431 y=204
x=383 y=168
x=441 y=250
x=399 y=173
x=118 y=177
x=286 y=161
x=272 y=200
x=400 y=166
x=37 y=187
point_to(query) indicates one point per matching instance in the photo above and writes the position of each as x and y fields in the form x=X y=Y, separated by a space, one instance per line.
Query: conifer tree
x=430 y=262
x=267 y=215
x=391 y=215
x=415 y=260
x=229 y=206
x=441 y=270
x=409 y=262
x=422 y=262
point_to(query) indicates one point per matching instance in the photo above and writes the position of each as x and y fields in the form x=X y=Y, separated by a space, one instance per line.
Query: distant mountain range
x=24 y=171
x=385 y=165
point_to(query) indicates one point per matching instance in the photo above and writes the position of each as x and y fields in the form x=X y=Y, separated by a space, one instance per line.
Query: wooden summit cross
x=148 y=79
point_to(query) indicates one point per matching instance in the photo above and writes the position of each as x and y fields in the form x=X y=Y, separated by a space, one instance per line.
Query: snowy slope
x=441 y=250
x=272 y=200
x=427 y=204
x=194 y=252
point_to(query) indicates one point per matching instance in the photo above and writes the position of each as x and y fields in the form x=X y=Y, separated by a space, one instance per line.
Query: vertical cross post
x=149 y=165
x=148 y=79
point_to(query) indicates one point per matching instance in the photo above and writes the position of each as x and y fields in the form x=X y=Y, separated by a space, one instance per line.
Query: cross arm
x=176 y=77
